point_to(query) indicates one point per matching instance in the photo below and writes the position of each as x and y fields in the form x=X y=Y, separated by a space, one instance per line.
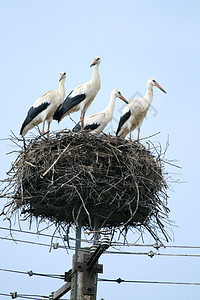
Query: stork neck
x=95 y=74
x=149 y=93
x=61 y=88
x=109 y=109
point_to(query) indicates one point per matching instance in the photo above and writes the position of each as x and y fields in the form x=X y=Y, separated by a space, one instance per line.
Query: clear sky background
x=136 y=40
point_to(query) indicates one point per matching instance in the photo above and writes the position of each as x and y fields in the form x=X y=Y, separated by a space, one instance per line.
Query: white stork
x=135 y=112
x=97 y=122
x=81 y=97
x=44 y=108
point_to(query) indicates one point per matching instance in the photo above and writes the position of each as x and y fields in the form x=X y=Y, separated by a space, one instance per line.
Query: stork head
x=96 y=61
x=118 y=94
x=153 y=82
x=62 y=75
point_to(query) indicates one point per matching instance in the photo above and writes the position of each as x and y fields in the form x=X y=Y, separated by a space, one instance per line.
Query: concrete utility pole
x=75 y=259
x=82 y=279
x=86 y=277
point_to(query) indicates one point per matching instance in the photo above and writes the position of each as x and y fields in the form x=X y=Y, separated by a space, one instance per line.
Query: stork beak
x=61 y=77
x=160 y=87
x=124 y=99
x=94 y=63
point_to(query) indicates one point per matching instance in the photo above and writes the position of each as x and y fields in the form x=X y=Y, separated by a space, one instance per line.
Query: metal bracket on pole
x=60 y=292
x=64 y=289
x=68 y=275
x=88 y=274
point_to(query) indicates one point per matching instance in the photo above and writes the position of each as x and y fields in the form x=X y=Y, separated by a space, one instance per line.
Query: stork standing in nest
x=44 y=108
x=135 y=112
x=81 y=97
x=97 y=122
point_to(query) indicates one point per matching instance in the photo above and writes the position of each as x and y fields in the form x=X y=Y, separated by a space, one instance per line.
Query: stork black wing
x=91 y=127
x=32 y=113
x=122 y=120
x=68 y=103
x=88 y=127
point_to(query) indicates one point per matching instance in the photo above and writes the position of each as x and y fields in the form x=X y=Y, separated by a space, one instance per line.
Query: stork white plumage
x=82 y=96
x=135 y=112
x=44 y=108
x=97 y=122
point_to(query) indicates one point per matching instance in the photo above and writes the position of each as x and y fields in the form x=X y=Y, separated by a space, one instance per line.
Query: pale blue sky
x=136 y=40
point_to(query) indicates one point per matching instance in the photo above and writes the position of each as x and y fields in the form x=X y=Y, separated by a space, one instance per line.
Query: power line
x=53 y=245
x=119 y=280
x=28 y=232
x=154 y=245
x=31 y=273
x=24 y=296
x=150 y=253
x=116 y=244
x=15 y=295
x=23 y=241
x=45 y=235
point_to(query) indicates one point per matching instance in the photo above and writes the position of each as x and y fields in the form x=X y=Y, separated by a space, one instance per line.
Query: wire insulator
x=105 y=241
x=94 y=247
x=119 y=280
x=13 y=295
x=55 y=245
x=151 y=254
x=157 y=245
x=30 y=273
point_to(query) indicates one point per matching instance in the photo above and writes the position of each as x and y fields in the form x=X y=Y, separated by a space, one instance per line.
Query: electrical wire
x=28 y=232
x=31 y=273
x=54 y=245
x=119 y=280
x=23 y=241
x=24 y=296
x=43 y=234
x=154 y=245
x=150 y=253
x=15 y=295
x=112 y=243
x=115 y=244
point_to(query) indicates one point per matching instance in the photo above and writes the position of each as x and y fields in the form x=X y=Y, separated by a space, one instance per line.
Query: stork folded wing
x=92 y=126
x=32 y=113
x=122 y=120
x=68 y=104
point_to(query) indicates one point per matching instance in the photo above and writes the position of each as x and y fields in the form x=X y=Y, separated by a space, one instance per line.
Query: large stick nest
x=76 y=178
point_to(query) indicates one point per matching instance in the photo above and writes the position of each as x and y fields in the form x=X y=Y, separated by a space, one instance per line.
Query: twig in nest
x=49 y=169
x=89 y=219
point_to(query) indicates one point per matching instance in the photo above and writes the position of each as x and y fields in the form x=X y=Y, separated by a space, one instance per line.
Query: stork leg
x=48 y=128
x=138 y=137
x=43 y=127
x=130 y=137
x=82 y=119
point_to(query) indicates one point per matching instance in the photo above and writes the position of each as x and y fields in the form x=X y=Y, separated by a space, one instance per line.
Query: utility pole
x=82 y=279
x=86 y=289
x=75 y=260
x=87 y=268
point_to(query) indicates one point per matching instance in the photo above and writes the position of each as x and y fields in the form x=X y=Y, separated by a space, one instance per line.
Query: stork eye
x=97 y=58
x=119 y=93
x=154 y=81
